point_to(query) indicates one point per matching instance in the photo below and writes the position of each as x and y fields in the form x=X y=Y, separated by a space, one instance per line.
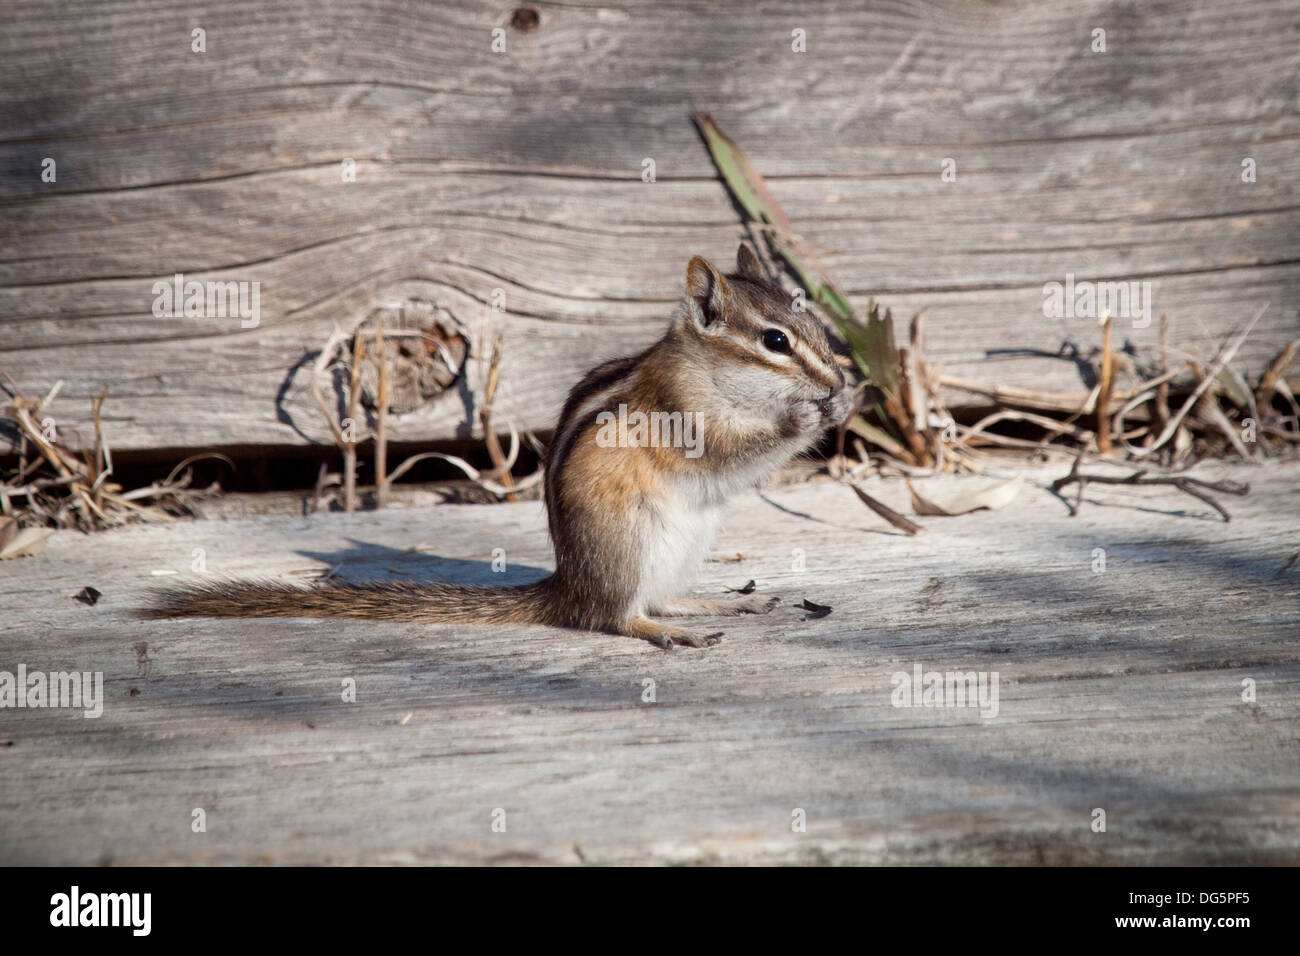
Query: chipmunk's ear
x=748 y=264
x=706 y=291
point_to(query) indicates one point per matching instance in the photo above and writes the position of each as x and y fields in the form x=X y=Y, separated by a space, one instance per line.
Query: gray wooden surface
x=521 y=171
x=1119 y=690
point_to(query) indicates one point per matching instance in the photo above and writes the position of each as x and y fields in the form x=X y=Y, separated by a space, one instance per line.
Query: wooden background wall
x=521 y=171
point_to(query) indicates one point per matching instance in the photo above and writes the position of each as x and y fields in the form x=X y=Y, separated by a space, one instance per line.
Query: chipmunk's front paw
x=802 y=417
x=835 y=408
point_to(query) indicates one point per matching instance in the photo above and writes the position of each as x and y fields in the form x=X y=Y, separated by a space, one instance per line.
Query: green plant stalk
x=870 y=343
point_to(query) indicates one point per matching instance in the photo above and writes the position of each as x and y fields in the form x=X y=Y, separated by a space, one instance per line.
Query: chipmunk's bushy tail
x=399 y=601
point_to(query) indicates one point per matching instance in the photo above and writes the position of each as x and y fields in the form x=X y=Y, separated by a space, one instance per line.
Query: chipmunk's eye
x=774 y=340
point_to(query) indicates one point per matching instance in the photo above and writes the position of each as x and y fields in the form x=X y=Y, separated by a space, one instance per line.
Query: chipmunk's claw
x=756 y=605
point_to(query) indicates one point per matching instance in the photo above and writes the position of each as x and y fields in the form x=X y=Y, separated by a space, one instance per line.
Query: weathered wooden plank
x=1120 y=690
x=521 y=172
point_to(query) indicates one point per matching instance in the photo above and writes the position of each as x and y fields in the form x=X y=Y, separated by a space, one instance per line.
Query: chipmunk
x=630 y=519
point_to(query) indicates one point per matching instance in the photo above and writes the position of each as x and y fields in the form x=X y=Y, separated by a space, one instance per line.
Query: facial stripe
x=817 y=368
x=745 y=344
x=744 y=350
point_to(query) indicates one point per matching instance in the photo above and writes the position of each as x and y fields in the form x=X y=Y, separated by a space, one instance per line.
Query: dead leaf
x=1234 y=386
x=89 y=595
x=993 y=497
x=886 y=512
x=8 y=529
x=25 y=543
x=878 y=437
x=816 y=610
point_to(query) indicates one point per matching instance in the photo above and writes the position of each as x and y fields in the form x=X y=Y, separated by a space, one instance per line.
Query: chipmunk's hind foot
x=664 y=636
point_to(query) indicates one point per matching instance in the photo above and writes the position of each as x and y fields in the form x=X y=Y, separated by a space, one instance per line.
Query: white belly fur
x=677 y=542
x=679 y=534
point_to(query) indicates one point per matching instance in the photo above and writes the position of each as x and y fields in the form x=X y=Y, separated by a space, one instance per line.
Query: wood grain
x=520 y=171
x=1119 y=690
